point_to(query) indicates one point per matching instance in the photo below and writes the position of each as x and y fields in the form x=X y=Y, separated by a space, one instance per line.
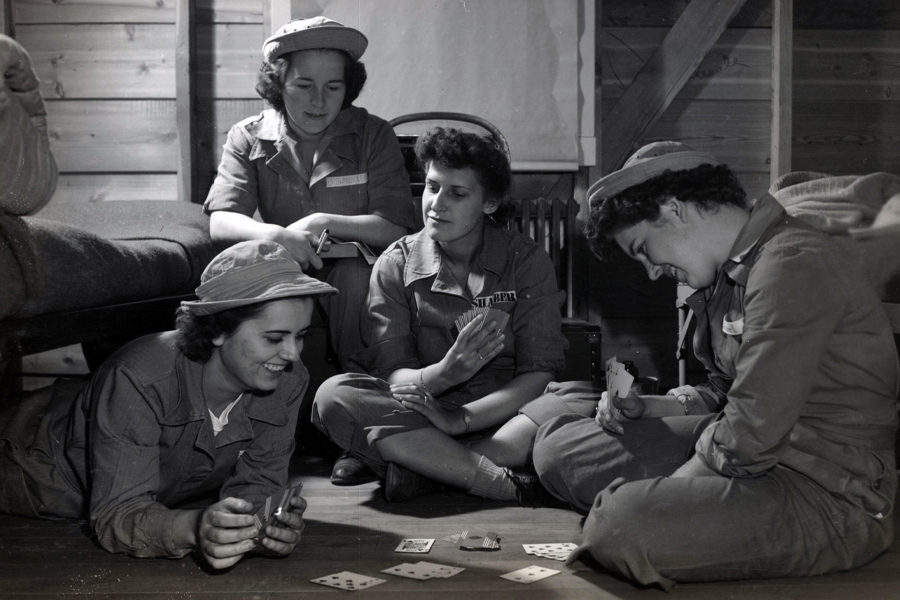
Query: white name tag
x=346 y=180
x=733 y=327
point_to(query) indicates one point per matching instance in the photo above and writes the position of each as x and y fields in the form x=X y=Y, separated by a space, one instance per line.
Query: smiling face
x=314 y=90
x=454 y=205
x=256 y=354
x=675 y=246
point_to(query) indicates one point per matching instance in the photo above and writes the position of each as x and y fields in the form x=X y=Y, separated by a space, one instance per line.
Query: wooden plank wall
x=846 y=119
x=107 y=70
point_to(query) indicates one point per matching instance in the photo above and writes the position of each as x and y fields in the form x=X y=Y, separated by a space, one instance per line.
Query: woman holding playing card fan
x=462 y=328
x=180 y=437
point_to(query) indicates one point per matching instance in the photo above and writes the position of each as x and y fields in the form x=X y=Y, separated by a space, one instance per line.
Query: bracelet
x=467 y=420
x=422 y=381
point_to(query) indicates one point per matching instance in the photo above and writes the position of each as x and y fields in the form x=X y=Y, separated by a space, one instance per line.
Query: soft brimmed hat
x=249 y=273
x=315 y=33
x=645 y=164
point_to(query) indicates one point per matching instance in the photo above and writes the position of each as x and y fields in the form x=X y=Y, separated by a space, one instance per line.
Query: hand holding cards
x=490 y=314
x=273 y=506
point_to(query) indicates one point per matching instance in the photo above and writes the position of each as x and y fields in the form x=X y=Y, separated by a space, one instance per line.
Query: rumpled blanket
x=79 y=255
x=862 y=211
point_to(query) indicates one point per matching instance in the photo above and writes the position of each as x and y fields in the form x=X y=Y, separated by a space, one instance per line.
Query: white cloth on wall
x=512 y=62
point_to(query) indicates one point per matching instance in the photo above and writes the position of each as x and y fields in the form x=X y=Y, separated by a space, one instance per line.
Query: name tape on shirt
x=488 y=301
x=346 y=180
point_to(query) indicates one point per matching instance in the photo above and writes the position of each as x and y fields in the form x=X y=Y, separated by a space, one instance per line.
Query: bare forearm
x=502 y=405
x=666 y=406
x=373 y=230
x=232 y=227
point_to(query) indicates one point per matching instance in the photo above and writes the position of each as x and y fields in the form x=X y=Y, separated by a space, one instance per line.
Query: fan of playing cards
x=270 y=509
x=490 y=314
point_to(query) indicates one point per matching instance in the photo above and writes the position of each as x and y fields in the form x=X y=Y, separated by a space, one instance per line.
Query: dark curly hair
x=270 y=79
x=455 y=149
x=709 y=186
x=196 y=332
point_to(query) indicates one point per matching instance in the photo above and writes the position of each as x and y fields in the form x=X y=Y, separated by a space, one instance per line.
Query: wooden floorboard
x=354 y=529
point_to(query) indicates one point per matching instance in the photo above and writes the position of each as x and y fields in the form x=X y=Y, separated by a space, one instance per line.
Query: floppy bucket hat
x=252 y=272
x=645 y=164
x=314 y=33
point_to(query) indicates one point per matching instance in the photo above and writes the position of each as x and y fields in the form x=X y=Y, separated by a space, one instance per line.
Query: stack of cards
x=475 y=539
x=530 y=574
x=345 y=580
x=418 y=546
x=490 y=314
x=272 y=507
x=553 y=551
x=618 y=380
x=423 y=570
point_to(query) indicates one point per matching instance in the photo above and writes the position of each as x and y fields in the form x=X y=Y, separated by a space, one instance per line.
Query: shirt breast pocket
x=346 y=195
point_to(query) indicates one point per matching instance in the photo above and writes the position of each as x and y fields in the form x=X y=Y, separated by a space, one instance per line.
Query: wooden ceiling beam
x=660 y=80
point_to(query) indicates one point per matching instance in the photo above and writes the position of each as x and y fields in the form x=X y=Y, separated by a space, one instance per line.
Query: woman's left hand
x=284 y=535
x=415 y=398
x=314 y=223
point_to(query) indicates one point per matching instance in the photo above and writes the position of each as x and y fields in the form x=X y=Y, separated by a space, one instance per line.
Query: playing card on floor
x=555 y=548
x=417 y=545
x=411 y=571
x=530 y=574
x=443 y=571
x=479 y=540
x=345 y=580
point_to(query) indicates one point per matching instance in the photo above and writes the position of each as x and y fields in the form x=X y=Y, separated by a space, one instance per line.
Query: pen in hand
x=321 y=243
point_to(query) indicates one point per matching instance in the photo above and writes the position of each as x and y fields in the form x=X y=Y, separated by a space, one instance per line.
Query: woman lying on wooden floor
x=180 y=436
x=446 y=384
x=784 y=459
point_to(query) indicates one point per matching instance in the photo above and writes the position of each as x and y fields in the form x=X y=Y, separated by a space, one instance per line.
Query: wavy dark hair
x=455 y=149
x=270 y=79
x=709 y=186
x=196 y=332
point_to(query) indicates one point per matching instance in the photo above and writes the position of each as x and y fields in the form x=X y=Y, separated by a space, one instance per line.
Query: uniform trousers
x=654 y=529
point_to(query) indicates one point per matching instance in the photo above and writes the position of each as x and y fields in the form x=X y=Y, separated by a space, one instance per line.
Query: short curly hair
x=195 y=333
x=709 y=186
x=270 y=79
x=455 y=149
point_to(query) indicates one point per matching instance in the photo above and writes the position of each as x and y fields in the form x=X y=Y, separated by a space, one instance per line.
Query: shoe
x=402 y=484
x=530 y=493
x=351 y=471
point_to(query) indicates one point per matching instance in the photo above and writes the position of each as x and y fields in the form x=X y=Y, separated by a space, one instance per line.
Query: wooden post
x=185 y=99
x=275 y=14
x=6 y=19
x=660 y=80
x=782 y=87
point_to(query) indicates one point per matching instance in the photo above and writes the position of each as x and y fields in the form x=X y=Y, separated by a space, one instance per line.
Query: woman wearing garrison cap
x=314 y=162
x=179 y=436
x=782 y=462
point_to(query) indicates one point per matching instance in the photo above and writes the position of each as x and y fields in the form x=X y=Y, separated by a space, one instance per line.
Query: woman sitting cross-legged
x=442 y=405
x=180 y=436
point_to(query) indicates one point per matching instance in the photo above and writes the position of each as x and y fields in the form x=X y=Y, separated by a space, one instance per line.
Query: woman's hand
x=611 y=410
x=225 y=532
x=301 y=244
x=315 y=224
x=415 y=398
x=476 y=345
x=284 y=536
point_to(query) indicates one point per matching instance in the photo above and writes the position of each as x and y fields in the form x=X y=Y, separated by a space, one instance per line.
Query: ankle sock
x=492 y=482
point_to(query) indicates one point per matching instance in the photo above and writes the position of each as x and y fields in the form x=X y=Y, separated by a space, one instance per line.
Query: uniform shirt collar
x=765 y=213
x=424 y=259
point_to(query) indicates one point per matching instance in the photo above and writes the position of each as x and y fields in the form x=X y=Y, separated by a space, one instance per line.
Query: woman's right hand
x=610 y=411
x=226 y=531
x=476 y=345
x=302 y=246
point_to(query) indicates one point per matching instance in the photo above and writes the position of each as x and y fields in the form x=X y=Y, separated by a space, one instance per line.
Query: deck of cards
x=423 y=570
x=475 y=539
x=490 y=314
x=560 y=551
x=272 y=507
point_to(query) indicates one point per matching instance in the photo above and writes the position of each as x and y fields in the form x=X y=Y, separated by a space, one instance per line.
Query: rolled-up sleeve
x=235 y=188
x=536 y=319
x=390 y=342
x=388 y=186
x=124 y=468
x=784 y=337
